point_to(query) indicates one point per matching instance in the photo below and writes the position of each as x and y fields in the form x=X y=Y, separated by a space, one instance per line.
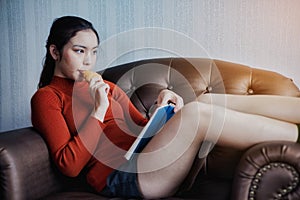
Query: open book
x=160 y=116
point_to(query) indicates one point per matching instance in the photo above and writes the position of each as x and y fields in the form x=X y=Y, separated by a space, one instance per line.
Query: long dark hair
x=62 y=30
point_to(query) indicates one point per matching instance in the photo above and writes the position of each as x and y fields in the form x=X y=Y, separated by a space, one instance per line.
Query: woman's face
x=80 y=53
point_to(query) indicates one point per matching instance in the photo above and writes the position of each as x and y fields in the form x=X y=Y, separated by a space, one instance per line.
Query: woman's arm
x=278 y=107
x=70 y=153
x=134 y=118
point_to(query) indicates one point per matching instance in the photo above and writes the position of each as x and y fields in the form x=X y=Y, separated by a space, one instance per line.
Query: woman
x=83 y=138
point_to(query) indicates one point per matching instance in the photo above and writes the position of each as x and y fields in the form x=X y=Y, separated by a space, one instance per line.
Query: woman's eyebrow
x=84 y=47
x=81 y=46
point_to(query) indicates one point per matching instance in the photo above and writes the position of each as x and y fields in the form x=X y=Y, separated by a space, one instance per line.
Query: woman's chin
x=80 y=79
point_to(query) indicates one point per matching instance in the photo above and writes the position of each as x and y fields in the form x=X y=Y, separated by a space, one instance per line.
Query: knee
x=197 y=116
x=197 y=109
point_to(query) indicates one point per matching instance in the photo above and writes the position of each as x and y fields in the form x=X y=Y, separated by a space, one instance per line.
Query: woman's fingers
x=95 y=80
x=179 y=104
x=104 y=87
x=176 y=101
x=101 y=87
x=169 y=97
x=98 y=88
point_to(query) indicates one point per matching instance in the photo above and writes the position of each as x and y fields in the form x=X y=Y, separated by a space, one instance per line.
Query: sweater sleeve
x=70 y=153
x=134 y=118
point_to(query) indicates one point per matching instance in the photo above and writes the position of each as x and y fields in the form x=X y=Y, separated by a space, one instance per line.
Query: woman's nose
x=87 y=59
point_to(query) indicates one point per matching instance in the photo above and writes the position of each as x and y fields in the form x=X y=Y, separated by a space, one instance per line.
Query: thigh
x=166 y=160
x=175 y=138
x=176 y=145
x=241 y=130
x=279 y=107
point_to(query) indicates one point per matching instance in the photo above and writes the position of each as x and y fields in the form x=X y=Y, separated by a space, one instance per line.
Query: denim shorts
x=123 y=182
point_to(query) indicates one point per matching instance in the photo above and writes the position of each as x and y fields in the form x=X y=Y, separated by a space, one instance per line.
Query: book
x=160 y=116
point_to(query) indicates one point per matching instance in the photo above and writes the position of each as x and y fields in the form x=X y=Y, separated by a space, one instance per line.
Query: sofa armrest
x=268 y=171
x=25 y=168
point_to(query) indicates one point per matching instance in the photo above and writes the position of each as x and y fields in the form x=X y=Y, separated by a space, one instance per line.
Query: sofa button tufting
x=250 y=91
x=133 y=88
x=170 y=87
x=209 y=88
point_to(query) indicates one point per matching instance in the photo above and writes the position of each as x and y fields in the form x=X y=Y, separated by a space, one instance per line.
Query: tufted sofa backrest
x=190 y=77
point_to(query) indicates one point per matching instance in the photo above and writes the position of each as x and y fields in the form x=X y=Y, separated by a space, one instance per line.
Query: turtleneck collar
x=66 y=84
x=62 y=83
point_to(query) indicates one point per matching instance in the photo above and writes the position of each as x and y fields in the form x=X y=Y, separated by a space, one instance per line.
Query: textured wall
x=260 y=33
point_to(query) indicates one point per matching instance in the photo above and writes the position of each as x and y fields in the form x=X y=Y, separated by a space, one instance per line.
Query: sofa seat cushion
x=74 y=196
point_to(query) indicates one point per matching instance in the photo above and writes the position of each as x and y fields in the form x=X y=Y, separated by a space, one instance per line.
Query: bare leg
x=167 y=159
x=278 y=107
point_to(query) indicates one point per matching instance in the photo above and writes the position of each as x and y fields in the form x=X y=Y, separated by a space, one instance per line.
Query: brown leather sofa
x=264 y=171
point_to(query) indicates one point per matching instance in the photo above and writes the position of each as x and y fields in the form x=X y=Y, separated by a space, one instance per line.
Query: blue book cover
x=156 y=122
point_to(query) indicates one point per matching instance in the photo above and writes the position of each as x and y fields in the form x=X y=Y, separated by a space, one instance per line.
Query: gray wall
x=260 y=33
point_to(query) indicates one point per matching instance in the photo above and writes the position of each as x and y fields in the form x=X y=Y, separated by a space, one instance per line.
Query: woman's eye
x=79 y=51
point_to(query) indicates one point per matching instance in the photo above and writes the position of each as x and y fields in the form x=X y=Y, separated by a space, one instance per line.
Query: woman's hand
x=167 y=96
x=99 y=91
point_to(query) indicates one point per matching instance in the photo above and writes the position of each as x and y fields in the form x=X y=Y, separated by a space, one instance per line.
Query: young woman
x=90 y=134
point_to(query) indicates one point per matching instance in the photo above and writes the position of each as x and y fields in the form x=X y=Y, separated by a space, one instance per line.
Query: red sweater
x=61 y=113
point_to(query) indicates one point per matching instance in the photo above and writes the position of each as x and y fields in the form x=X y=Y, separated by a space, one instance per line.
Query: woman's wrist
x=99 y=114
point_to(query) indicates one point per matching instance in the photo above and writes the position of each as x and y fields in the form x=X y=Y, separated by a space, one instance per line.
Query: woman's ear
x=54 y=52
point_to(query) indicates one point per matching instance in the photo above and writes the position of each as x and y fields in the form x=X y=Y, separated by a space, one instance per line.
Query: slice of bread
x=88 y=75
